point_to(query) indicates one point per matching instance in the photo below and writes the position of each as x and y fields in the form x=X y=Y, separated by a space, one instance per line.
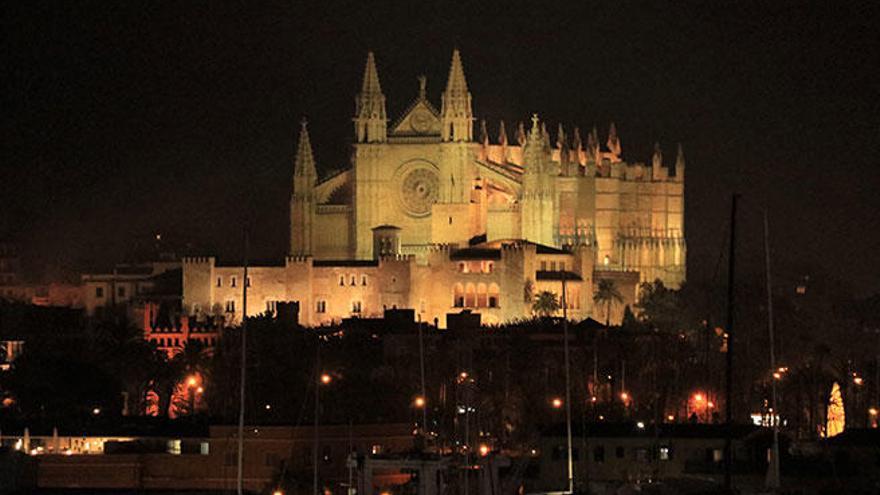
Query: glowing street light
x=484 y=450
x=556 y=402
x=96 y=411
x=698 y=397
x=858 y=380
x=419 y=401
x=873 y=411
x=624 y=396
x=192 y=381
x=326 y=378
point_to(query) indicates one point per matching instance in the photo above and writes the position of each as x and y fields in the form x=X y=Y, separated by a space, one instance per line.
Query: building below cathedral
x=434 y=217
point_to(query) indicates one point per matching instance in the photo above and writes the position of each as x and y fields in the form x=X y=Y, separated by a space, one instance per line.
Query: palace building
x=439 y=218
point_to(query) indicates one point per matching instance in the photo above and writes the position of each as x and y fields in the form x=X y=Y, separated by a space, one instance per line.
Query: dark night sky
x=126 y=118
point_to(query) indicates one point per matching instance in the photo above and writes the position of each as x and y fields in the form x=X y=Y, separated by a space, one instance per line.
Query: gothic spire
x=304 y=165
x=484 y=134
x=576 y=143
x=562 y=144
x=370 y=118
x=502 y=134
x=456 y=114
x=371 y=84
x=456 y=85
x=545 y=135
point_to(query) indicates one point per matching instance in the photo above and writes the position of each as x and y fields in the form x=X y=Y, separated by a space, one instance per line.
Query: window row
x=176 y=341
x=352 y=280
x=482 y=266
x=233 y=281
x=640 y=454
x=475 y=296
x=552 y=266
x=120 y=292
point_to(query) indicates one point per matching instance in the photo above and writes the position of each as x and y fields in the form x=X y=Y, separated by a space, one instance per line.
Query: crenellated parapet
x=199 y=260
x=299 y=259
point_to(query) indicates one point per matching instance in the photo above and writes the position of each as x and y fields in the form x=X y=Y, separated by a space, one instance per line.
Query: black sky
x=122 y=119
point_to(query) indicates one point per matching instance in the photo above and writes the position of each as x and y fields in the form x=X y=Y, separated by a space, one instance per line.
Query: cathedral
x=436 y=217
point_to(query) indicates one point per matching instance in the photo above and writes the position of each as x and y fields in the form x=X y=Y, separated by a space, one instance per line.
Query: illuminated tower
x=302 y=200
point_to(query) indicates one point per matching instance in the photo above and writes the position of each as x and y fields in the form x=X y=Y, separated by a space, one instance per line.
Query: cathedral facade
x=437 y=217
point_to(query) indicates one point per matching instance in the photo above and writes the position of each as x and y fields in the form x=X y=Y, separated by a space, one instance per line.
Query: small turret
x=577 y=146
x=564 y=152
x=613 y=143
x=656 y=162
x=456 y=115
x=679 y=164
x=521 y=134
x=370 y=120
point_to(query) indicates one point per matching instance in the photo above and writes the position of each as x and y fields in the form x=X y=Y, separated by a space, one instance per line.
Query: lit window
x=321 y=307
x=341 y=280
x=490 y=267
x=376 y=449
x=543 y=266
x=173 y=447
x=230 y=306
x=355 y=306
x=665 y=454
x=606 y=261
x=353 y=280
x=204 y=448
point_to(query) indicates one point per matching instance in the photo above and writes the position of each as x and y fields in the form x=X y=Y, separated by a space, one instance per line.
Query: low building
x=206 y=458
x=610 y=455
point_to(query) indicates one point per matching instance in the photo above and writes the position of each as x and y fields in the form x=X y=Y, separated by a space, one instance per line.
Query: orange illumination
x=698 y=397
x=325 y=378
x=711 y=404
x=200 y=390
x=624 y=396
x=593 y=399
x=670 y=418
x=484 y=449
x=872 y=411
x=419 y=401
x=277 y=492
x=858 y=380
x=777 y=375
x=556 y=403
x=192 y=381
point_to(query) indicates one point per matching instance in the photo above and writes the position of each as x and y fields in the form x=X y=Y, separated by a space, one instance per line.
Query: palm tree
x=607 y=294
x=546 y=303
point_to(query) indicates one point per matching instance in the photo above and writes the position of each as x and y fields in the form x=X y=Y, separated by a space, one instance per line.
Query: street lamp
x=419 y=402
x=556 y=402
